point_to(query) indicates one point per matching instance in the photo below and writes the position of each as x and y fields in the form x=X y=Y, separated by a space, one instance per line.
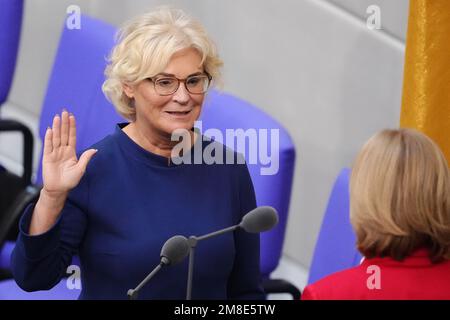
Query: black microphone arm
x=173 y=251
x=258 y=220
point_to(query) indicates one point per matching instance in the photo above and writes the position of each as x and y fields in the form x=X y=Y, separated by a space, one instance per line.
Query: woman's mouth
x=179 y=114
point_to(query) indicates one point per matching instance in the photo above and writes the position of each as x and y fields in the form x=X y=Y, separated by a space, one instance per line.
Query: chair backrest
x=336 y=245
x=75 y=83
x=222 y=111
x=10 y=26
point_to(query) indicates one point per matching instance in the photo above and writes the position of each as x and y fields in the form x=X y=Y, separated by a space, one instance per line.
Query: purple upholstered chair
x=10 y=291
x=10 y=26
x=11 y=12
x=75 y=84
x=336 y=245
x=223 y=111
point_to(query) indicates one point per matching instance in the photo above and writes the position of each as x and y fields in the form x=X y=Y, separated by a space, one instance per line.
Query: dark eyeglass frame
x=159 y=77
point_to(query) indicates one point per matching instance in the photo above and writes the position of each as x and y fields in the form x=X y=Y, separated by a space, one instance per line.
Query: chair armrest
x=281 y=286
x=11 y=217
x=13 y=125
x=5 y=256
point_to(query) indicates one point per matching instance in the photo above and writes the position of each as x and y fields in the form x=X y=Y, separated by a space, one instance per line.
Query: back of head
x=400 y=196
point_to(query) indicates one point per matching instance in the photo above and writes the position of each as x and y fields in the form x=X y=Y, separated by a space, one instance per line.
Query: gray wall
x=311 y=64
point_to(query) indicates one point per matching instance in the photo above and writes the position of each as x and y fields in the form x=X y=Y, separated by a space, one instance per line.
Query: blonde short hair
x=144 y=46
x=400 y=196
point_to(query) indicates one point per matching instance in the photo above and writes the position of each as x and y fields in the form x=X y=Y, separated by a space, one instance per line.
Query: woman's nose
x=181 y=95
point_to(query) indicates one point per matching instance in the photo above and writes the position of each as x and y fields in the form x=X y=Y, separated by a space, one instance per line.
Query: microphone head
x=260 y=219
x=174 y=250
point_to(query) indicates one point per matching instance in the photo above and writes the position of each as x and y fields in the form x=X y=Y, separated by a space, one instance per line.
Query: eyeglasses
x=195 y=84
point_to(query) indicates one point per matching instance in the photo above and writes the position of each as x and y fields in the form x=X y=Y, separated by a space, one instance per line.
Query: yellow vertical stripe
x=426 y=83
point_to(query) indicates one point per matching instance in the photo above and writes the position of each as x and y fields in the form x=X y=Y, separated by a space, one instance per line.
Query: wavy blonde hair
x=400 y=196
x=144 y=46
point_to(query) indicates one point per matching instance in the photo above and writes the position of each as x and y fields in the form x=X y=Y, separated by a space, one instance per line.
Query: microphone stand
x=173 y=252
x=192 y=242
x=133 y=293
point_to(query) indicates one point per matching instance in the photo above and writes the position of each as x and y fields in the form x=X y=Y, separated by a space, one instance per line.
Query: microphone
x=173 y=252
x=258 y=220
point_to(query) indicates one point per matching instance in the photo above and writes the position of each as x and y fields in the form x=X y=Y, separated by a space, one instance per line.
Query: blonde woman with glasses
x=117 y=204
x=400 y=211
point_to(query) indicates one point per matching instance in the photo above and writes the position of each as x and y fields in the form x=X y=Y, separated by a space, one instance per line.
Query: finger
x=72 y=131
x=64 y=128
x=85 y=158
x=56 y=131
x=48 y=146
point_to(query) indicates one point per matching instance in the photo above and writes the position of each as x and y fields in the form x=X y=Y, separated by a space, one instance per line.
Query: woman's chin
x=179 y=126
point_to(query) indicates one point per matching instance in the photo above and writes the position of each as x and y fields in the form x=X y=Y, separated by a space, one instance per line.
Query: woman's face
x=179 y=110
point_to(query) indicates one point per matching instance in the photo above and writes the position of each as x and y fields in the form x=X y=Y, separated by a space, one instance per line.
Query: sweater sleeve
x=40 y=261
x=245 y=280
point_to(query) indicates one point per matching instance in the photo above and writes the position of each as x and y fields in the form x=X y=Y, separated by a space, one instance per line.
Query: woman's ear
x=128 y=90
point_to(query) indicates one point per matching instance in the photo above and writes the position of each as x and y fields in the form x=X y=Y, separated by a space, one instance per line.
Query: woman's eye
x=165 y=82
x=194 y=81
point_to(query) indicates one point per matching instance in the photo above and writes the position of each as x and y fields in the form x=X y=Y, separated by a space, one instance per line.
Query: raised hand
x=61 y=169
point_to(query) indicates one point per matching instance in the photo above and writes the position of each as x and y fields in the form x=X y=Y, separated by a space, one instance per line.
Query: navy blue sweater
x=128 y=203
